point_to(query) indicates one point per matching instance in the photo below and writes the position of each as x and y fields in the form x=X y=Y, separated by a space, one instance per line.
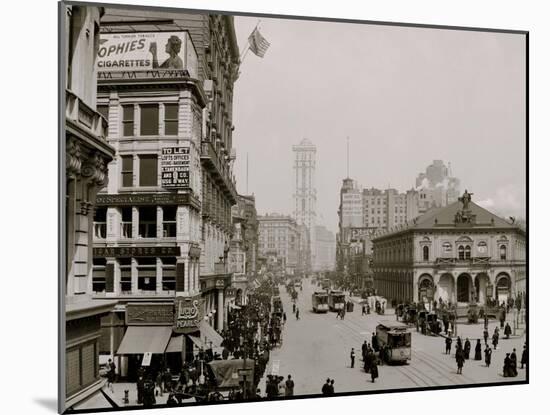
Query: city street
x=318 y=346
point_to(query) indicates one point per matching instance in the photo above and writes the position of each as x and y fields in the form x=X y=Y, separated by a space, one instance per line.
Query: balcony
x=218 y=168
x=86 y=123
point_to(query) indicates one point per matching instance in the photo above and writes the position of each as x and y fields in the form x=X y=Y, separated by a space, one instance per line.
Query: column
x=134 y=271
x=220 y=309
x=160 y=217
x=159 y=275
x=135 y=222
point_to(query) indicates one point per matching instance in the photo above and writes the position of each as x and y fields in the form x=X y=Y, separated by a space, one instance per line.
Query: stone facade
x=460 y=254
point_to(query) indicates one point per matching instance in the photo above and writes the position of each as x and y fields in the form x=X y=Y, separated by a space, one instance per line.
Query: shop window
x=147 y=274
x=171 y=119
x=503 y=252
x=100 y=223
x=128 y=120
x=426 y=253
x=126 y=223
x=148 y=171
x=127 y=171
x=149 y=119
x=169 y=274
x=98 y=275
x=169 y=222
x=125 y=275
x=148 y=222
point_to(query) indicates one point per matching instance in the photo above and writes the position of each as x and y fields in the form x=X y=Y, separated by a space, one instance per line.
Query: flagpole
x=243 y=55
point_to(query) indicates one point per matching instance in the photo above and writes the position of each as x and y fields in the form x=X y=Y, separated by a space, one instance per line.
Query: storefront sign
x=188 y=315
x=136 y=251
x=149 y=314
x=146 y=361
x=174 y=164
x=146 y=52
x=147 y=200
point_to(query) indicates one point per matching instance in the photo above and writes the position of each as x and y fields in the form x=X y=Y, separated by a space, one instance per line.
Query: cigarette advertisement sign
x=148 y=53
x=174 y=164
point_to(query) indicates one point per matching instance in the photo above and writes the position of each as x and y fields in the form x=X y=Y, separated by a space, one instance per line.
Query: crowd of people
x=484 y=351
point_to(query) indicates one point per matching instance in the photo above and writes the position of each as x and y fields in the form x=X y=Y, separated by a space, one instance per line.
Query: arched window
x=426 y=253
x=468 y=252
x=460 y=252
x=502 y=251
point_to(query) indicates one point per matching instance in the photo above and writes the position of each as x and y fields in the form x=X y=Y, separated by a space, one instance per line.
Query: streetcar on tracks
x=336 y=300
x=395 y=338
x=319 y=302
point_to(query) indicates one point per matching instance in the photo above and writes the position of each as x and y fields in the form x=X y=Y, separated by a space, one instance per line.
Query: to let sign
x=174 y=163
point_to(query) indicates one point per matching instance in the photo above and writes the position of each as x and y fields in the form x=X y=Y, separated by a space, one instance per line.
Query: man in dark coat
x=331 y=387
x=373 y=370
x=488 y=353
x=459 y=360
x=352 y=357
x=325 y=390
x=374 y=341
x=448 y=344
x=478 y=350
x=495 y=340
x=507 y=331
x=524 y=356
x=364 y=350
x=506 y=372
x=485 y=335
x=467 y=348
x=513 y=364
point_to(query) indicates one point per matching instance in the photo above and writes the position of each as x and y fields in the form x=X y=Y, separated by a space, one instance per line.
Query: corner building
x=87 y=156
x=162 y=227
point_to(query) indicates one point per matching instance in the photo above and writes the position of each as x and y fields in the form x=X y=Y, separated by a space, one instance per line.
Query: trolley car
x=395 y=337
x=336 y=300
x=319 y=302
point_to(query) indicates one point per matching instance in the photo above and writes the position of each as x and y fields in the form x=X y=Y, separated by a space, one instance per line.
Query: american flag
x=257 y=43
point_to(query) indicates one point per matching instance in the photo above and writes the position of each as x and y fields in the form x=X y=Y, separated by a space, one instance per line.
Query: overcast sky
x=404 y=96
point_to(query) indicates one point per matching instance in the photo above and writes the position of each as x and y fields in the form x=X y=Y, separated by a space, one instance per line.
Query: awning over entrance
x=143 y=339
x=175 y=344
x=209 y=335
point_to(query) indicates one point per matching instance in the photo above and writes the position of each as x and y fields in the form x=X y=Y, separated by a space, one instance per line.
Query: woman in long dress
x=478 y=350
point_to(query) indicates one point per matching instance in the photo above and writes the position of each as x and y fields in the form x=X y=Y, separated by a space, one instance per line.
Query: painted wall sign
x=146 y=53
x=149 y=314
x=136 y=251
x=188 y=314
x=174 y=165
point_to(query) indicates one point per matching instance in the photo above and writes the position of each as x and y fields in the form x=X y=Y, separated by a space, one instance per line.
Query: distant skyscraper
x=305 y=192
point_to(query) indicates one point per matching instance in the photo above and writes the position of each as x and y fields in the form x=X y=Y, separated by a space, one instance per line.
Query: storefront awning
x=209 y=335
x=143 y=339
x=175 y=345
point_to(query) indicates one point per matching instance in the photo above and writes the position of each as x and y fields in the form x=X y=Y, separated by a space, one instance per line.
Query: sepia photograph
x=266 y=207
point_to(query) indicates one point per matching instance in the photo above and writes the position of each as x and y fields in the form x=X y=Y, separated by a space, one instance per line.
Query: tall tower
x=305 y=193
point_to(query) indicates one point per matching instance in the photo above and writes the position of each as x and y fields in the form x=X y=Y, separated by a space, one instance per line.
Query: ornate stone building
x=459 y=253
x=87 y=155
x=163 y=226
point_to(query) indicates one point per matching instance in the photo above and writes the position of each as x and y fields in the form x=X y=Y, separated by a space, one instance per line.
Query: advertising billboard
x=144 y=52
x=174 y=165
